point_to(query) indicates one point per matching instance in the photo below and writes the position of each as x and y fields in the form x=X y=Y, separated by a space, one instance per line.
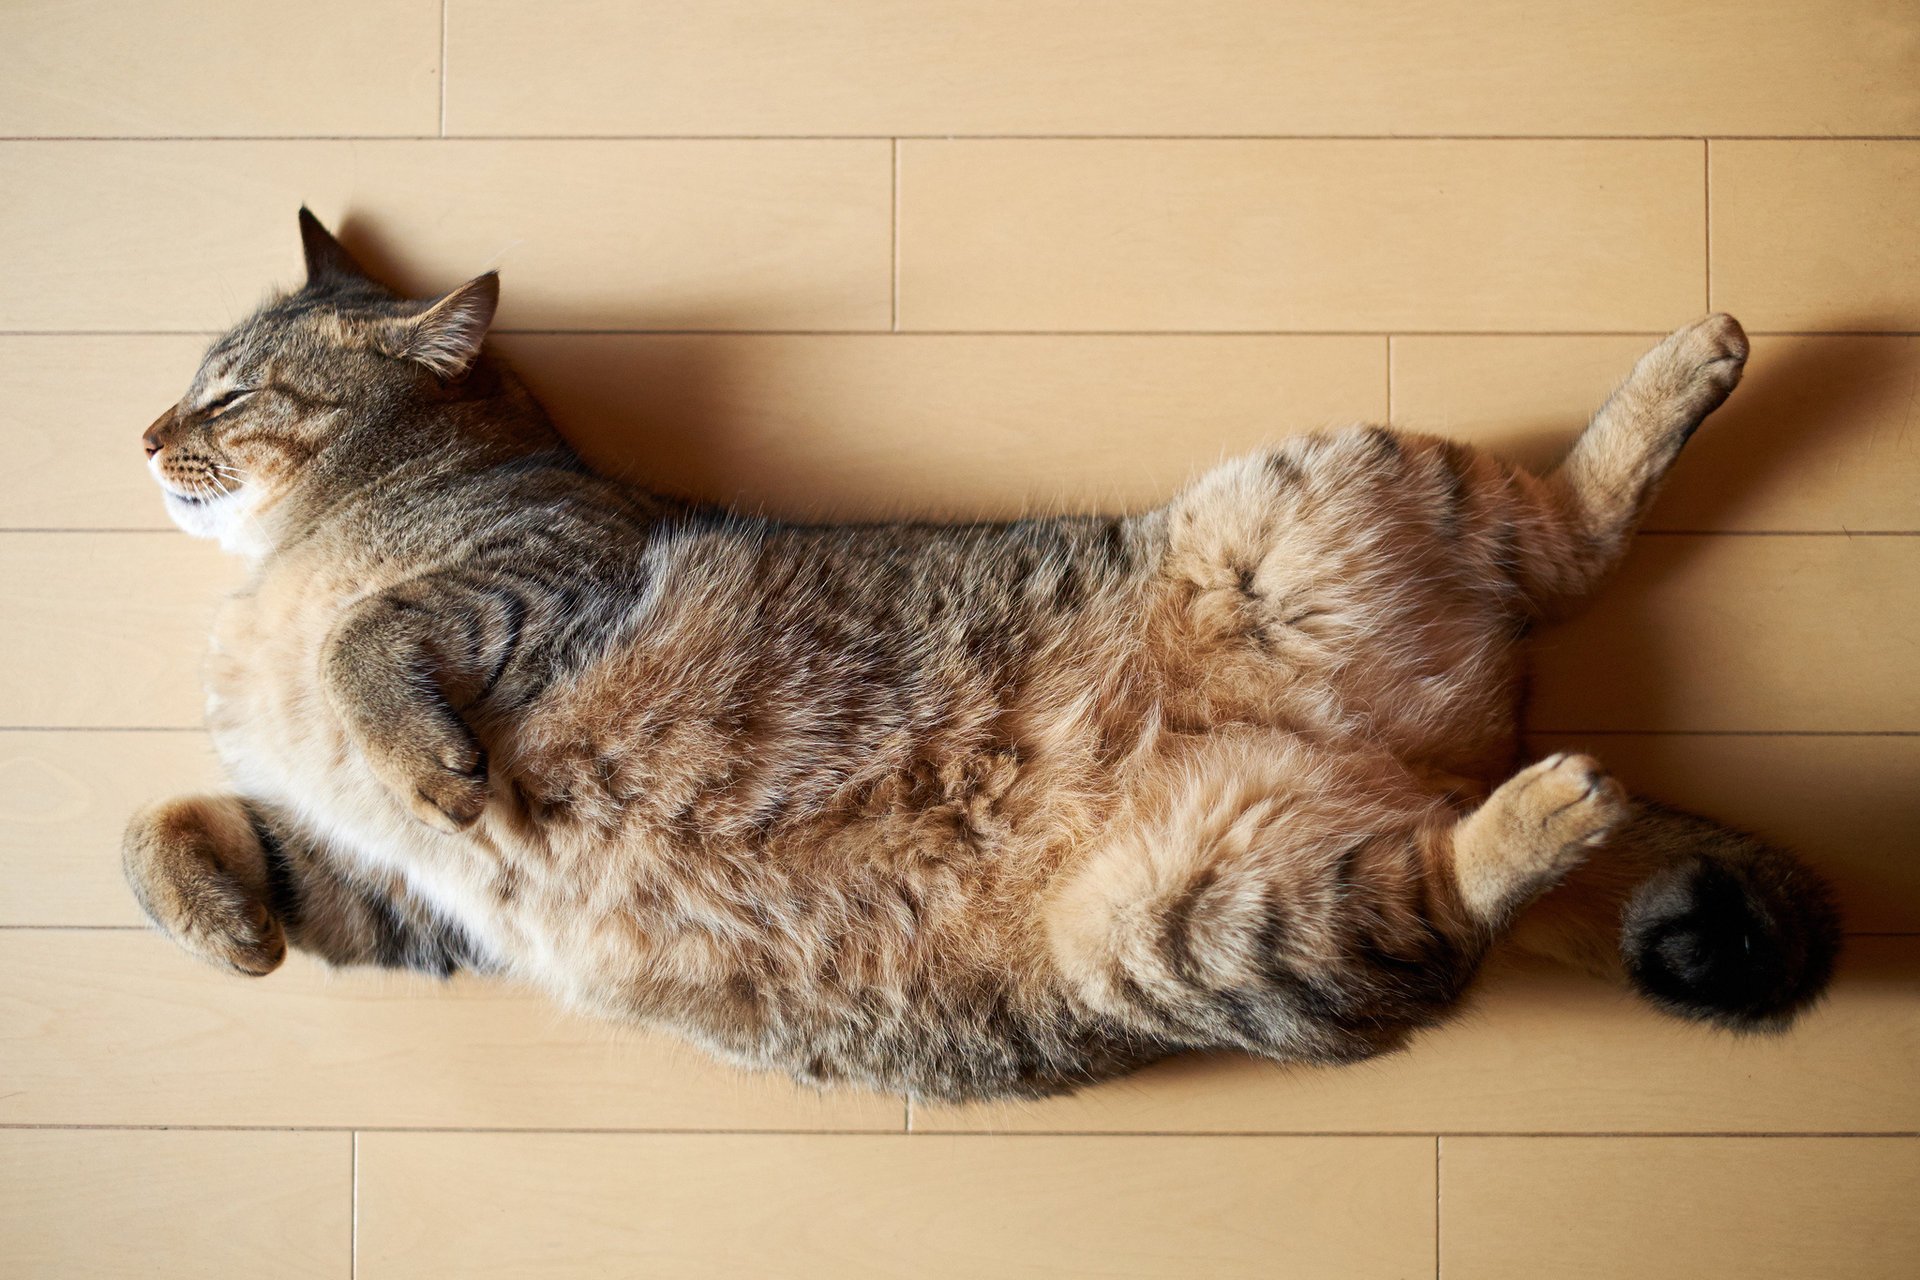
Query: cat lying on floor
x=966 y=810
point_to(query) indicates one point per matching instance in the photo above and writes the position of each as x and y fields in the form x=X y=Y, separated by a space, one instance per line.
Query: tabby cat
x=968 y=811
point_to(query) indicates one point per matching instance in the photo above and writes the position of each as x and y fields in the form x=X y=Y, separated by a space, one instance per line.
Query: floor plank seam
x=1643 y=533
x=443 y=67
x=509 y=332
x=1531 y=728
x=1706 y=192
x=1389 y=405
x=956 y=137
x=1545 y=1135
x=894 y=245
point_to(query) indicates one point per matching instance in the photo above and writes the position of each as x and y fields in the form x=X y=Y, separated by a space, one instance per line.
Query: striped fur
x=966 y=810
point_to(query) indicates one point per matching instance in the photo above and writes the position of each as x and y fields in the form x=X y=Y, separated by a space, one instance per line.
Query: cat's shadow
x=659 y=406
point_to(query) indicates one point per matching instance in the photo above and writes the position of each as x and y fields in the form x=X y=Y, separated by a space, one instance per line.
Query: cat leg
x=198 y=869
x=1588 y=508
x=234 y=883
x=1270 y=899
x=400 y=669
x=1535 y=828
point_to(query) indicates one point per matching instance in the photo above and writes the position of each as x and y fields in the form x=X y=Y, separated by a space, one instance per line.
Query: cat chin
x=227 y=519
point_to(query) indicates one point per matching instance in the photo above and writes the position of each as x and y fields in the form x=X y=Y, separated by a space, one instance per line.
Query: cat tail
x=1704 y=922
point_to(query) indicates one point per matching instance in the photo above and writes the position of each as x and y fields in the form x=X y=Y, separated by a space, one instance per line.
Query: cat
x=966 y=811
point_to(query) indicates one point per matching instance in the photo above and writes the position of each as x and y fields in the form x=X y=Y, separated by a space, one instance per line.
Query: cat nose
x=156 y=435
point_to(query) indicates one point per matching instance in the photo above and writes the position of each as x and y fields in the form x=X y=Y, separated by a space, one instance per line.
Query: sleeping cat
x=966 y=810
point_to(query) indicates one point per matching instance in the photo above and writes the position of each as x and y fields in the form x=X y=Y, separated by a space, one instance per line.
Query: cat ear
x=327 y=260
x=446 y=337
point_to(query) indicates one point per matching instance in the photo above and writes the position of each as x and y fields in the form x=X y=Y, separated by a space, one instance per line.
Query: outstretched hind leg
x=1538 y=826
x=1592 y=503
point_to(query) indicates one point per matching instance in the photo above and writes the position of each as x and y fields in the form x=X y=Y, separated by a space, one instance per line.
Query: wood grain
x=162 y=68
x=645 y=235
x=1183 y=67
x=120 y=1028
x=970 y=427
x=1705 y=1209
x=592 y=1205
x=158 y=1205
x=1317 y=235
x=1767 y=634
x=929 y=427
x=64 y=800
x=1817 y=235
x=1121 y=240
x=72 y=408
x=109 y=628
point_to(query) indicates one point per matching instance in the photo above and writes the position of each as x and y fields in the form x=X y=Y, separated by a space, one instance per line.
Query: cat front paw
x=198 y=870
x=451 y=802
x=448 y=791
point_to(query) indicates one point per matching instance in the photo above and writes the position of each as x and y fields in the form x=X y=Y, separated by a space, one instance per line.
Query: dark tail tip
x=1735 y=933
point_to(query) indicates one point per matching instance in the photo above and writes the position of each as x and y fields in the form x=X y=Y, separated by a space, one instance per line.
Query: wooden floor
x=851 y=257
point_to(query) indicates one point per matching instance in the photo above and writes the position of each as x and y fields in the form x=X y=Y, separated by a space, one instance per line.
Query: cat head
x=310 y=375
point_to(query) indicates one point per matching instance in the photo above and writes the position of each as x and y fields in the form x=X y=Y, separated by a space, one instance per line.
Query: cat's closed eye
x=222 y=403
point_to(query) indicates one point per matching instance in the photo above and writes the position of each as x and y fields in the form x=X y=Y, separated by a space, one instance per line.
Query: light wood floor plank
x=1817 y=234
x=120 y=1028
x=1661 y=1209
x=1815 y=439
x=157 y=1205
x=1771 y=634
x=72 y=408
x=161 y=68
x=64 y=800
x=1194 y=67
x=1141 y=235
x=585 y=234
x=107 y=629
x=1545 y=1051
x=792 y=1206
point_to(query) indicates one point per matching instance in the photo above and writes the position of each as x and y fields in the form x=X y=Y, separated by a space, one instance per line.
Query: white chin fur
x=228 y=518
